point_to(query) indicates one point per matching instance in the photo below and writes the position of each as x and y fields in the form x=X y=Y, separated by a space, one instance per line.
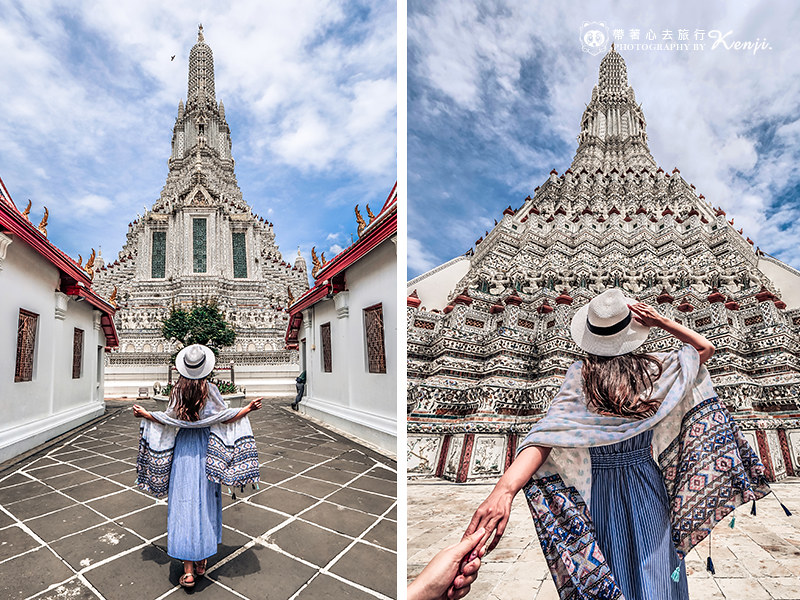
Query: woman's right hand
x=139 y=412
x=492 y=515
x=646 y=315
x=254 y=404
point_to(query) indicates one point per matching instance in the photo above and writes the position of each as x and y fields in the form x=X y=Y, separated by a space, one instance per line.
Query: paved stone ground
x=323 y=523
x=759 y=559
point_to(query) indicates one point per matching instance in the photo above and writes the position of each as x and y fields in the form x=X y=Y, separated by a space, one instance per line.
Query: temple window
x=77 y=353
x=26 y=344
x=325 y=339
x=199 y=239
x=158 y=259
x=373 y=327
x=239 y=254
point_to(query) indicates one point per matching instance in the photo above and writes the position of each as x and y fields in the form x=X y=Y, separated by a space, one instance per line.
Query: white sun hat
x=607 y=327
x=195 y=361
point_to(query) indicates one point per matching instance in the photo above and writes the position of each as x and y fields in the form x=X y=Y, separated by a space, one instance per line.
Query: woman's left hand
x=139 y=412
x=492 y=516
x=255 y=404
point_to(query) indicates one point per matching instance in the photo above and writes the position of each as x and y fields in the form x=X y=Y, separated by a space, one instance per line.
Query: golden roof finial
x=112 y=299
x=42 y=227
x=27 y=210
x=80 y=261
x=291 y=296
x=322 y=258
x=315 y=260
x=90 y=265
x=361 y=223
x=371 y=216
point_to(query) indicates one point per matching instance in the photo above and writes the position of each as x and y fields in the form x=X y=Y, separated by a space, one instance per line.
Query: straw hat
x=607 y=327
x=195 y=361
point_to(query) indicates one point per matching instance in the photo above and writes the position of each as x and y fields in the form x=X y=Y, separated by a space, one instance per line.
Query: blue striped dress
x=194 y=506
x=631 y=515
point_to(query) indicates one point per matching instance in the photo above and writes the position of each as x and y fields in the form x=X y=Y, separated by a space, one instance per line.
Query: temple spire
x=613 y=128
x=201 y=72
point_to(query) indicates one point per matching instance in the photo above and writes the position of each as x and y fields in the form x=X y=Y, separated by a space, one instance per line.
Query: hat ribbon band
x=195 y=365
x=611 y=329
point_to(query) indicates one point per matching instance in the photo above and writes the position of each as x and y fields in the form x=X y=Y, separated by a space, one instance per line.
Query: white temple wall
x=434 y=286
x=52 y=402
x=785 y=277
x=350 y=397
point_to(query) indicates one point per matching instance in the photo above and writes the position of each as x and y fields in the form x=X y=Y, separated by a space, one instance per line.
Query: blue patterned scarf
x=709 y=469
x=231 y=456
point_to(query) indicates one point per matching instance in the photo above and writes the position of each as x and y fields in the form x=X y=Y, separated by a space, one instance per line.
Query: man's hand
x=450 y=573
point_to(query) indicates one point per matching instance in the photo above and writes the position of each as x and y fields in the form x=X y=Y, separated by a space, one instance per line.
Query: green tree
x=202 y=324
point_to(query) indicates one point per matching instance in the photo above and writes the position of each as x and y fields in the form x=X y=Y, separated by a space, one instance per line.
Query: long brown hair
x=189 y=396
x=621 y=385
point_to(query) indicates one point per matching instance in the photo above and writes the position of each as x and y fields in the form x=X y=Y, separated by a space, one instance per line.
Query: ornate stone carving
x=201 y=203
x=492 y=364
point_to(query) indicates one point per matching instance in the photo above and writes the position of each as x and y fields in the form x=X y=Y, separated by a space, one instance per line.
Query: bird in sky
x=173 y=58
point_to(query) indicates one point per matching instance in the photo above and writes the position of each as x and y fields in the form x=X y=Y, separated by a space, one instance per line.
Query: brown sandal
x=200 y=567
x=184 y=583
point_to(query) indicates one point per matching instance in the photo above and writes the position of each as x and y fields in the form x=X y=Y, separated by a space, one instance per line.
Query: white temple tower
x=201 y=241
x=484 y=363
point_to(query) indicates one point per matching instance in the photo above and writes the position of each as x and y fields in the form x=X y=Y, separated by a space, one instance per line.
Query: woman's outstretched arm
x=253 y=405
x=494 y=512
x=647 y=315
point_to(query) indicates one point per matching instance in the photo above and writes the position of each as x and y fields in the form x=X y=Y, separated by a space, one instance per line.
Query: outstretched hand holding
x=141 y=413
x=450 y=573
x=492 y=517
x=255 y=404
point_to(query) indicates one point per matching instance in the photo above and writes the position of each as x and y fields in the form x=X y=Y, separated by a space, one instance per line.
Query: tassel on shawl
x=709 y=562
x=676 y=574
x=783 y=506
x=753 y=509
x=733 y=520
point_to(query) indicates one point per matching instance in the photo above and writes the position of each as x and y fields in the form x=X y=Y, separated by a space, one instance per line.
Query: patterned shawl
x=709 y=469
x=231 y=456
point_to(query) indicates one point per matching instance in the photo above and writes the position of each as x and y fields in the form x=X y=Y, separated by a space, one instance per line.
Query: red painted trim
x=324 y=281
x=442 y=462
x=763 y=450
x=391 y=198
x=510 y=450
x=349 y=256
x=13 y=221
x=787 y=453
x=106 y=321
x=466 y=458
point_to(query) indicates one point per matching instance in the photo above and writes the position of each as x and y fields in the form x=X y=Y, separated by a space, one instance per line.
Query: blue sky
x=90 y=96
x=496 y=91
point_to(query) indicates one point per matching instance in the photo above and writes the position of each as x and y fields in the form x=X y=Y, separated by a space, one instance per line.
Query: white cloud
x=420 y=260
x=91 y=204
x=726 y=119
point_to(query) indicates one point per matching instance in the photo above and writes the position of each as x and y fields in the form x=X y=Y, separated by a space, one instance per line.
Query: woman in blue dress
x=628 y=504
x=194 y=506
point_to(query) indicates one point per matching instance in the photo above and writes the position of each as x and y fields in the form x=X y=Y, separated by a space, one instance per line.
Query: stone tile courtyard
x=323 y=522
x=758 y=559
